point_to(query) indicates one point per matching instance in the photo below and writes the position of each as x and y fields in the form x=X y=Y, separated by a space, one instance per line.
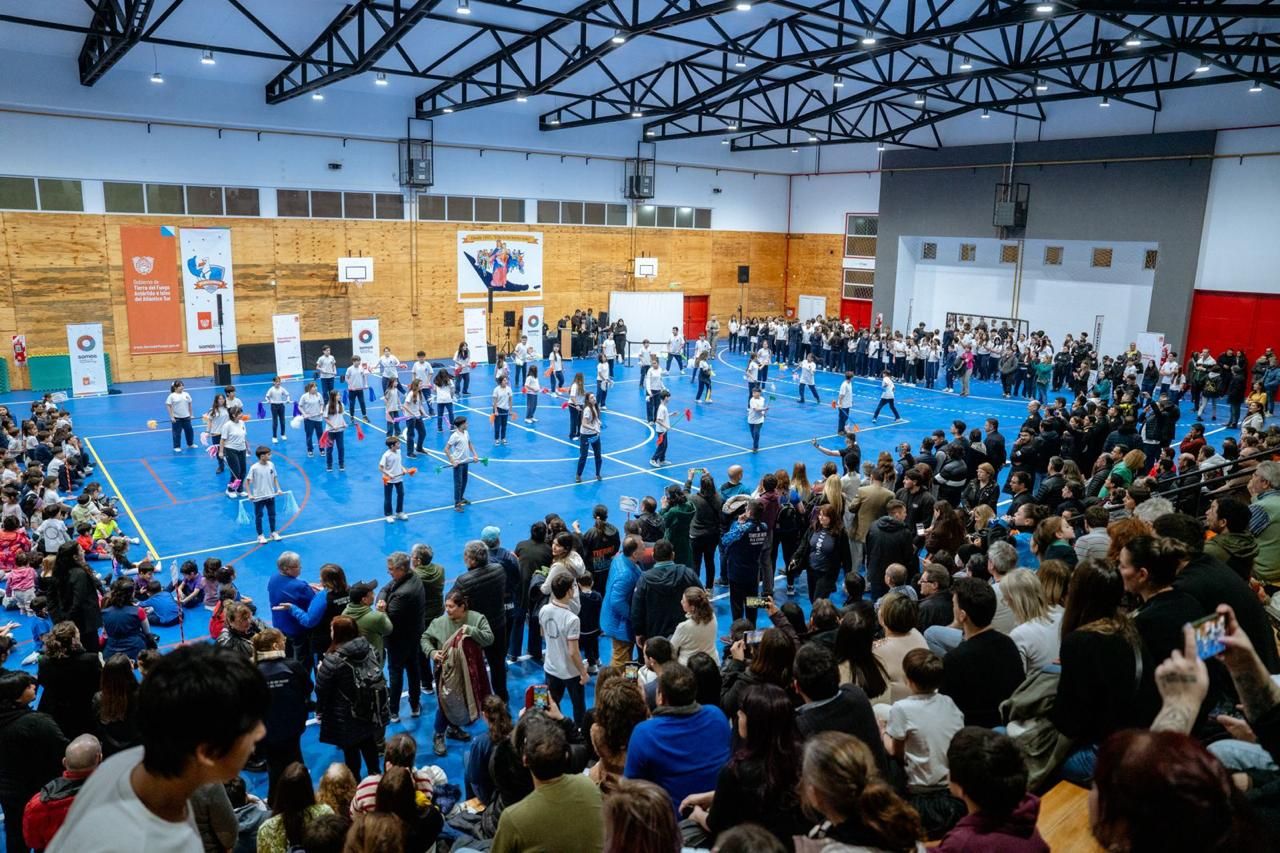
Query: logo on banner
x=86 y=343
x=533 y=323
x=143 y=265
x=366 y=336
x=204 y=320
x=209 y=277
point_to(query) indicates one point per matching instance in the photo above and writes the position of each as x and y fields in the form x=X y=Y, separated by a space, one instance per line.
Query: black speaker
x=219 y=297
x=490 y=301
x=509 y=319
x=744 y=274
x=603 y=318
x=221 y=369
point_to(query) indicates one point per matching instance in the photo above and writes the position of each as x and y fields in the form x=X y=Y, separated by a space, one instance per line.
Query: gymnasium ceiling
x=770 y=74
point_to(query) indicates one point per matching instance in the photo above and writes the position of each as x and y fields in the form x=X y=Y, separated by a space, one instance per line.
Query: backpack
x=790 y=519
x=369 y=699
x=958 y=364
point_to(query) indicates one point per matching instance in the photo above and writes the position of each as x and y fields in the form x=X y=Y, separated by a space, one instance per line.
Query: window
x=1101 y=258
x=593 y=213
x=431 y=207
x=574 y=212
x=860 y=232
x=389 y=205
x=666 y=217
x=293 y=203
x=204 y=201
x=1149 y=258
x=684 y=217
x=1053 y=256
x=701 y=218
x=1008 y=253
x=60 y=195
x=242 y=201
x=513 y=210
x=460 y=208
x=165 y=198
x=647 y=215
x=18 y=194
x=548 y=211
x=571 y=212
x=357 y=205
x=929 y=251
x=487 y=210
x=858 y=284
x=326 y=204
x=968 y=252
x=123 y=198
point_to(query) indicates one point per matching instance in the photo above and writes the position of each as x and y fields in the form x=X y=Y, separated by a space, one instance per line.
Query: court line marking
x=142 y=533
x=431 y=454
x=152 y=472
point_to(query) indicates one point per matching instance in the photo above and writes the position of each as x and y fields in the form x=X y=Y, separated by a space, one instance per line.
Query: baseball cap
x=490 y=534
x=362 y=589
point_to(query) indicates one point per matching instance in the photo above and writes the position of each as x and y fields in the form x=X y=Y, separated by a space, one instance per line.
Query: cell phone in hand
x=1209 y=632
x=755 y=601
x=541 y=696
x=919 y=529
x=631 y=671
x=753 y=638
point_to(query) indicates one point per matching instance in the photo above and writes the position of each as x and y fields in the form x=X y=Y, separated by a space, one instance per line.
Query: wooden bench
x=1064 y=819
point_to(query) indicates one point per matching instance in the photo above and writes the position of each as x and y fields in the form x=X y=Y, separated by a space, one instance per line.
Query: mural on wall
x=506 y=265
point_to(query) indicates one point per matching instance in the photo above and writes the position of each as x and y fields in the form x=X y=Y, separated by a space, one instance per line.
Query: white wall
x=1239 y=250
x=819 y=202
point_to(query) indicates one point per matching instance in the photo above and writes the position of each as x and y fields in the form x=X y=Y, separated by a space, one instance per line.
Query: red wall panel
x=1248 y=321
x=857 y=312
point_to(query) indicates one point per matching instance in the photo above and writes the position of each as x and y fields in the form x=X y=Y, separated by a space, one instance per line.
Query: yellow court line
x=151 y=549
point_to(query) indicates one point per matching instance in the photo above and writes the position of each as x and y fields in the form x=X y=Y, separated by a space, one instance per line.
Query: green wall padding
x=52 y=372
x=4 y=376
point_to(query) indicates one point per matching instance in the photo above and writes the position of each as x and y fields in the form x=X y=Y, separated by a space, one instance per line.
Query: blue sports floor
x=176 y=503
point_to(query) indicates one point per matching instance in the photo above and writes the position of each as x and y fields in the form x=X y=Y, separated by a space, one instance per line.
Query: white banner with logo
x=206 y=275
x=475 y=333
x=88 y=359
x=287 y=332
x=531 y=325
x=365 y=341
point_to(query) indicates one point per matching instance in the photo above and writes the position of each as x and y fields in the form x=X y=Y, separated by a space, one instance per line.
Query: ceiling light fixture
x=724 y=142
x=1202 y=67
x=838 y=82
x=743 y=7
x=380 y=80
x=206 y=58
x=464 y=7
x=1256 y=87
x=986 y=113
x=1044 y=8
x=619 y=37
x=447 y=110
x=1041 y=85
x=813 y=139
x=880 y=147
x=919 y=99
x=1134 y=40
x=157 y=77
x=1105 y=102
x=317 y=96
x=522 y=98
x=636 y=112
x=795 y=150
x=733 y=125
x=553 y=120
x=868 y=39
x=965 y=64
x=650 y=132
x=741 y=61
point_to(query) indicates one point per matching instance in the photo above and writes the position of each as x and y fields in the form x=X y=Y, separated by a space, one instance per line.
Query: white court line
x=434 y=453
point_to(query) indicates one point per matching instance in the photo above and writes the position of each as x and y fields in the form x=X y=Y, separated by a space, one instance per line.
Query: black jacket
x=486 y=589
x=889 y=541
x=336 y=695
x=934 y=610
x=31 y=748
x=951 y=479
x=919 y=506
x=975 y=494
x=706 y=516
x=67 y=686
x=843 y=556
x=602 y=543
x=289 y=684
x=78 y=603
x=655 y=604
x=532 y=556
x=651 y=529
x=849 y=712
x=996 y=453
x=1210 y=582
x=406 y=608
x=1050 y=492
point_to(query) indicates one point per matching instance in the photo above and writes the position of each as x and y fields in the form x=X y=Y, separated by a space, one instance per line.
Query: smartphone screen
x=753 y=638
x=755 y=601
x=631 y=671
x=1209 y=632
x=541 y=696
x=919 y=529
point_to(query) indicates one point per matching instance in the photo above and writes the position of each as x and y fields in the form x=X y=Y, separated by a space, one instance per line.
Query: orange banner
x=150 y=261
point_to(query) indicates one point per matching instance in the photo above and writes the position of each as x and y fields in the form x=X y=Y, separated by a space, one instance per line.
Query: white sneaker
x=390 y=519
x=177 y=450
x=135 y=540
x=275 y=536
x=274 y=440
x=244 y=494
x=403 y=516
x=262 y=540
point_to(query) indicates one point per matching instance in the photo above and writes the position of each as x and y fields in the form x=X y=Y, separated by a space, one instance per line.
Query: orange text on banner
x=149 y=256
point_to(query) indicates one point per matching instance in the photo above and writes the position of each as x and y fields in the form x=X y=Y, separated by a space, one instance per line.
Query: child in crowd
x=41 y=624
x=21 y=588
x=92 y=550
x=227 y=583
x=917 y=732
x=589 y=606
x=209 y=583
x=84 y=512
x=189 y=591
x=392 y=469
x=161 y=608
x=989 y=774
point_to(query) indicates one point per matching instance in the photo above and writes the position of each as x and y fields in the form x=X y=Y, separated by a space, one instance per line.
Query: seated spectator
x=989 y=775
x=986 y=667
x=709 y=678
x=657 y=654
x=142 y=793
x=895 y=578
x=538 y=822
x=337 y=789
x=1035 y=635
x=1229 y=538
x=841 y=783
x=659 y=748
x=832 y=706
x=47 y=809
x=935 y=597
x=289 y=682
x=498 y=726
x=638 y=819
x=250 y=813
x=1052 y=541
x=68 y=677
x=619 y=709
x=917 y=733
x=400 y=751
x=292 y=809
x=898 y=618
x=771 y=661
x=855 y=654
x=395 y=794
x=1148 y=567
x=759 y=782
x=115 y=707
x=328 y=834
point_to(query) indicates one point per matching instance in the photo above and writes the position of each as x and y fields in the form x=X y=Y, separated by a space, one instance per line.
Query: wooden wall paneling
x=8 y=318
x=815 y=269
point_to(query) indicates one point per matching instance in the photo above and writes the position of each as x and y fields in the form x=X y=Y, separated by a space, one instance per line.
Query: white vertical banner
x=206 y=276
x=475 y=333
x=88 y=359
x=287 y=332
x=531 y=325
x=365 y=340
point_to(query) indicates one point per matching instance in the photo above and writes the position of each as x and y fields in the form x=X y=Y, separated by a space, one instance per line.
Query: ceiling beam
x=118 y=25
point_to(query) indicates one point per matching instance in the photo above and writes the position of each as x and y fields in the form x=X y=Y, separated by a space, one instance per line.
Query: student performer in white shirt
x=460 y=453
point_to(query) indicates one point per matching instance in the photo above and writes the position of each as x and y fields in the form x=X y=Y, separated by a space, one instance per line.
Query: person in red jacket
x=989 y=774
x=47 y=809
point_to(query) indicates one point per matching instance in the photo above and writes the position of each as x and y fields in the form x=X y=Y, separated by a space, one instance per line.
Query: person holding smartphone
x=563 y=662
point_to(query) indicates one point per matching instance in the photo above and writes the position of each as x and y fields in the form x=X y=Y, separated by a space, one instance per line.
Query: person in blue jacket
x=160 y=606
x=615 y=615
x=284 y=588
x=744 y=546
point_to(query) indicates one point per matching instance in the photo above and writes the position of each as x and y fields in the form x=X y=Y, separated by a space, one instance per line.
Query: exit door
x=856 y=312
x=695 y=316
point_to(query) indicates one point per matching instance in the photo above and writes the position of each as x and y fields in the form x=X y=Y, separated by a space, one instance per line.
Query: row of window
x=465 y=208
x=860 y=233
x=653 y=216
x=40 y=194
x=127 y=197
x=332 y=204
x=1099 y=258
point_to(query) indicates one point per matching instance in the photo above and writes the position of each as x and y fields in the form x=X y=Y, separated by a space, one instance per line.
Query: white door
x=811 y=306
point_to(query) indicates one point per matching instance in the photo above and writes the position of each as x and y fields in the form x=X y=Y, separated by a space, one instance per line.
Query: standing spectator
x=484 y=585
x=659 y=750
x=615 y=612
x=351 y=696
x=564 y=810
x=287 y=587
x=697 y=633
x=1232 y=543
x=870 y=503
x=534 y=555
x=73 y=594
x=31 y=749
x=47 y=809
x=142 y=794
x=564 y=667
x=890 y=541
x=431 y=574
x=491 y=537
x=373 y=624
x=215 y=818
x=704 y=529
x=68 y=677
x=330 y=600
x=289 y=685
x=746 y=549
x=655 y=604
x=457 y=616
x=602 y=543
x=404 y=602
x=986 y=667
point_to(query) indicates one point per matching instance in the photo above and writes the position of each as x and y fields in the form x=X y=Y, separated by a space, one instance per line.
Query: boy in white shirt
x=459 y=452
x=661 y=425
x=392 y=469
x=501 y=410
x=652 y=384
x=421 y=370
x=277 y=396
x=563 y=664
x=263 y=485
x=675 y=349
x=886 y=397
x=357 y=380
x=327 y=371
x=844 y=402
x=644 y=358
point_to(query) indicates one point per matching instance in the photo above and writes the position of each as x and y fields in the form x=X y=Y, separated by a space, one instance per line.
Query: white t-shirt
x=107 y=816
x=1037 y=642
x=216 y=422
x=335 y=422
x=559 y=626
x=278 y=394
x=261 y=481
x=444 y=393
x=502 y=398
x=458 y=448
x=661 y=419
x=233 y=435
x=180 y=403
x=355 y=378
x=531 y=384
x=610 y=349
x=388 y=366
x=311 y=405
x=327 y=366
x=844 y=398
x=755 y=410
x=886 y=389
x=392 y=466
x=421 y=371
x=927 y=723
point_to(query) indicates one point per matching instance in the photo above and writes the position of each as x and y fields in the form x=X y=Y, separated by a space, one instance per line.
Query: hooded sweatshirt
x=432 y=577
x=655 y=604
x=374 y=625
x=1014 y=833
x=1237 y=550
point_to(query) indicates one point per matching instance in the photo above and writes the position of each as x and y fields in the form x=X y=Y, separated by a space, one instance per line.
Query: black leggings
x=704 y=553
x=366 y=749
x=235 y=461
